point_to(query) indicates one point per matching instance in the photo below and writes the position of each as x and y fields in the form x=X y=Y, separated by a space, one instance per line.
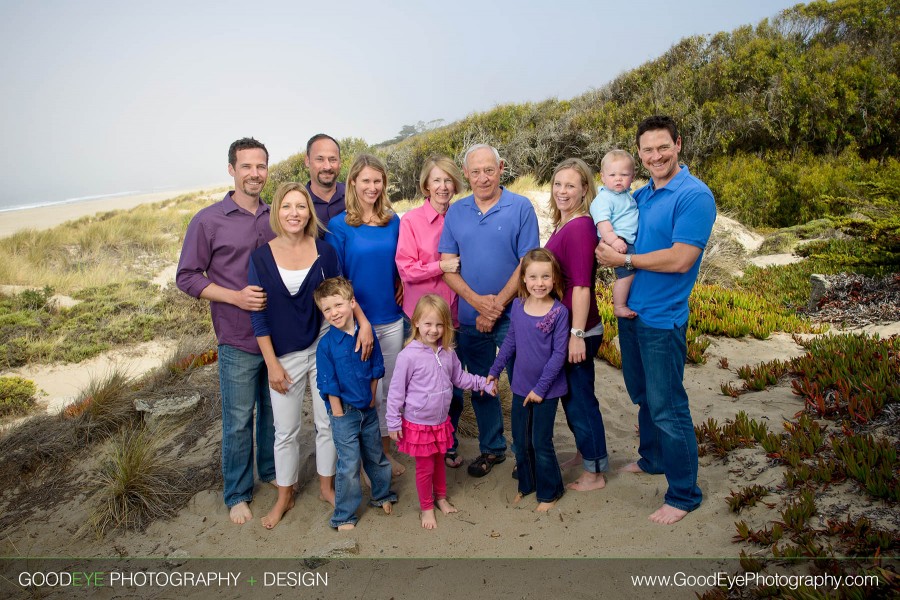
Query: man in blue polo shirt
x=323 y=159
x=677 y=212
x=489 y=231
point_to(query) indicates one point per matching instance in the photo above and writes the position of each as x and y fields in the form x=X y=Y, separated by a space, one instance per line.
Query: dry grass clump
x=105 y=407
x=136 y=483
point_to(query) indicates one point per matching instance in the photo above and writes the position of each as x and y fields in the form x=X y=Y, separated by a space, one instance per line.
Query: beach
x=47 y=217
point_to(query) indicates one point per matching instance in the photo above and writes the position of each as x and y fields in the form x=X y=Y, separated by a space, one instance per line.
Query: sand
x=47 y=217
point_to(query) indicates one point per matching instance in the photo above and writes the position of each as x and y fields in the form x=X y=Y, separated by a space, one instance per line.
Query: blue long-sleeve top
x=292 y=321
x=540 y=345
x=367 y=255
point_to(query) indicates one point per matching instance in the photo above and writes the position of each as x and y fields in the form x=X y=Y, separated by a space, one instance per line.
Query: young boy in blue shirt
x=347 y=384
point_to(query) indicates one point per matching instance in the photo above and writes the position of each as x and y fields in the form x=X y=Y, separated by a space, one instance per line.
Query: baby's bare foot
x=445 y=506
x=428 y=520
x=240 y=513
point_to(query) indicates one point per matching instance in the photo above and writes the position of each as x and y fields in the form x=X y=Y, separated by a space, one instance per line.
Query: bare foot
x=631 y=468
x=387 y=507
x=273 y=483
x=346 y=527
x=518 y=498
x=240 y=513
x=396 y=468
x=667 y=515
x=428 y=520
x=285 y=503
x=445 y=506
x=326 y=489
x=624 y=312
x=587 y=482
x=545 y=506
x=572 y=462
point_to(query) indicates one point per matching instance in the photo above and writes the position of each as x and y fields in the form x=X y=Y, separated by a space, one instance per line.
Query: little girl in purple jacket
x=418 y=403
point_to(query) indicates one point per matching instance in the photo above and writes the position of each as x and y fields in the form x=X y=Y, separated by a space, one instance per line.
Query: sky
x=103 y=97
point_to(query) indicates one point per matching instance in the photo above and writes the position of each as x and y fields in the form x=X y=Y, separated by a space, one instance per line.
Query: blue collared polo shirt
x=341 y=371
x=683 y=211
x=489 y=245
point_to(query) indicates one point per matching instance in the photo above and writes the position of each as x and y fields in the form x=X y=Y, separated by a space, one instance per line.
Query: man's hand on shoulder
x=251 y=298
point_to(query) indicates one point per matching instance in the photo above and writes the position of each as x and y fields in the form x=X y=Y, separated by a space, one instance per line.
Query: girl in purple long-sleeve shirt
x=539 y=337
x=418 y=403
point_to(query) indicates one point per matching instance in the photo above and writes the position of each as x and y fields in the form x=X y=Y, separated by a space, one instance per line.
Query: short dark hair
x=321 y=136
x=246 y=143
x=657 y=122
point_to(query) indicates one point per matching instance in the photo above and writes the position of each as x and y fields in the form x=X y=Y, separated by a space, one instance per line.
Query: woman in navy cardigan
x=289 y=268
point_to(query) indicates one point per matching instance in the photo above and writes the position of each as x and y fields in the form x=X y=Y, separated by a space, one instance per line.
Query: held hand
x=251 y=298
x=490 y=386
x=396 y=435
x=365 y=341
x=279 y=380
x=620 y=246
x=398 y=293
x=577 y=349
x=483 y=324
x=372 y=403
x=451 y=265
x=607 y=256
x=532 y=397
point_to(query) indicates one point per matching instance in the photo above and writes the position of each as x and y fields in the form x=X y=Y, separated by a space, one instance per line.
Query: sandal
x=453 y=460
x=482 y=465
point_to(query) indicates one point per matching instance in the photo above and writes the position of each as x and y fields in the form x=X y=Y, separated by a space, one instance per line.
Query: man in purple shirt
x=214 y=262
x=323 y=159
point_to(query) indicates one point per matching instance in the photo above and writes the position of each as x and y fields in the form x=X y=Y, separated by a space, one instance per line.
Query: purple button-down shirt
x=217 y=248
x=326 y=210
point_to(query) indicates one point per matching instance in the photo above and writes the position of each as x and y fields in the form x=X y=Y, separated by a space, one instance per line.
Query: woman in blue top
x=289 y=268
x=365 y=238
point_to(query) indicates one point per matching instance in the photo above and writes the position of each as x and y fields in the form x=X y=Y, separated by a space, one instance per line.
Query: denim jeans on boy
x=536 y=462
x=583 y=410
x=653 y=368
x=244 y=385
x=358 y=440
x=477 y=351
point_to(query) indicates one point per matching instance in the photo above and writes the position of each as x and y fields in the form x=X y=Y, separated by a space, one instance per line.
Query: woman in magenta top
x=572 y=242
x=419 y=262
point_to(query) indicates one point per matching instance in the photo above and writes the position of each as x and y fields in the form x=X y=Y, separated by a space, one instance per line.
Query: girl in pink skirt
x=418 y=403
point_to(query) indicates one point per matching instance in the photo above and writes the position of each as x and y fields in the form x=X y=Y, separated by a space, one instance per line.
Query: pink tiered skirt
x=425 y=440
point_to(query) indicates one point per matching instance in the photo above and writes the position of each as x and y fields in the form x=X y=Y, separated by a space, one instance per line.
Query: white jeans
x=287 y=410
x=390 y=338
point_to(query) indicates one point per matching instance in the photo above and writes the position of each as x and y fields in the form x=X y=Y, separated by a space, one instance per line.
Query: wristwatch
x=628 y=264
x=579 y=333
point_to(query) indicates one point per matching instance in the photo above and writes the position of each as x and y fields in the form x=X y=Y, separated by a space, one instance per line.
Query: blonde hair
x=444 y=164
x=545 y=256
x=383 y=210
x=587 y=182
x=614 y=156
x=312 y=226
x=333 y=286
x=436 y=304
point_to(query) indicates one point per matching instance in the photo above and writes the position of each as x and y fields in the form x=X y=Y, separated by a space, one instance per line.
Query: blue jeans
x=477 y=351
x=357 y=439
x=244 y=385
x=653 y=368
x=536 y=462
x=583 y=410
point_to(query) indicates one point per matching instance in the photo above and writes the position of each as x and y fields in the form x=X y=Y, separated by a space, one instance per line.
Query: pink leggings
x=431 y=479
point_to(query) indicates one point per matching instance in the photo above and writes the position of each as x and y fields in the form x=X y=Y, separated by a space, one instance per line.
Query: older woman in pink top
x=419 y=262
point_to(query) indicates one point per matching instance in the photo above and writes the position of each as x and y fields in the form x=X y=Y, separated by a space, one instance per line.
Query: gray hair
x=477 y=147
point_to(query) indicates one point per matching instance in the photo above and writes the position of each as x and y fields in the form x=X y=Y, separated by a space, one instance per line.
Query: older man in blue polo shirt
x=489 y=231
x=677 y=212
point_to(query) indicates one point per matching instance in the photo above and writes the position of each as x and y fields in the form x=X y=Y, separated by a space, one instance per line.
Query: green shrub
x=17 y=395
